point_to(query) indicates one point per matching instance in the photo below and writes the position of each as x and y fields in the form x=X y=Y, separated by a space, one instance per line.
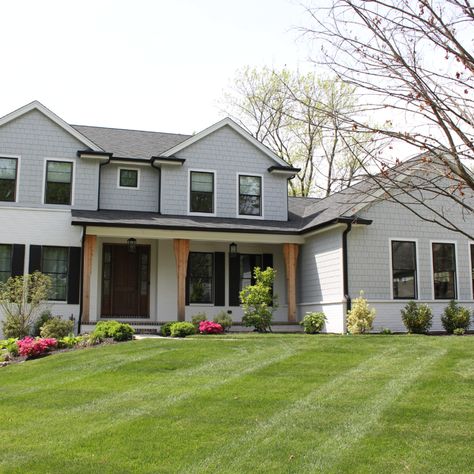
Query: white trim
x=35 y=105
x=417 y=289
x=60 y=160
x=441 y=241
x=128 y=164
x=168 y=162
x=214 y=184
x=234 y=126
x=469 y=243
x=17 y=180
x=130 y=188
x=18 y=208
x=245 y=216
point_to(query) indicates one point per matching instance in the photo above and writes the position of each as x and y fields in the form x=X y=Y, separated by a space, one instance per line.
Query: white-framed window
x=444 y=270
x=55 y=264
x=200 y=279
x=202 y=192
x=404 y=269
x=128 y=178
x=59 y=182
x=6 y=256
x=9 y=166
x=250 y=195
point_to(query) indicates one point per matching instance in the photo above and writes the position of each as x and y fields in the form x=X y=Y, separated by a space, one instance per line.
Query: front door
x=125 y=282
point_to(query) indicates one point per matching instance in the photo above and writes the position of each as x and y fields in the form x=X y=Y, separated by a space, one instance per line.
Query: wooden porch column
x=290 y=254
x=181 y=252
x=89 y=247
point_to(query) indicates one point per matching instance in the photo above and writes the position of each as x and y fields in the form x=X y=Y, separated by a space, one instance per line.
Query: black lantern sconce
x=132 y=245
x=233 y=249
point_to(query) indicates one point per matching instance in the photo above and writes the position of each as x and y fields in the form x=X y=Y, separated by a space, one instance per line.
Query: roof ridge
x=131 y=130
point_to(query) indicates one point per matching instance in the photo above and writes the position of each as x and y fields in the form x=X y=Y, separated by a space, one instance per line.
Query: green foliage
x=459 y=332
x=43 y=317
x=57 y=327
x=69 y=342
x=113 y=330
x=385 y=331
x=182 y=329
x=165 y=330
x=22 y=298
x=313 y=322
x=197 y=318
x=417 y=318
x=360 y=318
x=224 y=320
x=257 y=300
x=455 y=317
x=10 y=346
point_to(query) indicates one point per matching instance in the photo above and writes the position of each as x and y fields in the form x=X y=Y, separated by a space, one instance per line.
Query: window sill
x=203 y=305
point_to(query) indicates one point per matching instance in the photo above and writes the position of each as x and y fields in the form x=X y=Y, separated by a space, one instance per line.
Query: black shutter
x=35 y=258
x=219 y=279
x=18 y=260
x=186 y=299
x=74 y=275
x=267 y=260
x=234 y=280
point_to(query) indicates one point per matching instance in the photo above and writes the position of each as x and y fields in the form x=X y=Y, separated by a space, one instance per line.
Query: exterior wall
x=320 y=278
x=145 y=198
x=34 y=137
x=226 y=153
x=370 y=261
x=41 y=227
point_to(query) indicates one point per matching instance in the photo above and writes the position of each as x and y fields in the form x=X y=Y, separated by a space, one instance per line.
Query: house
x=150 y=227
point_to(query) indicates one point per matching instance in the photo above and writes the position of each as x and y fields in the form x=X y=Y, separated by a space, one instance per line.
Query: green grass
x=245 y=403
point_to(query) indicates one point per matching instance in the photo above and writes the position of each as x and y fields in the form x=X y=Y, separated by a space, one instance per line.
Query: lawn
x=244 y=403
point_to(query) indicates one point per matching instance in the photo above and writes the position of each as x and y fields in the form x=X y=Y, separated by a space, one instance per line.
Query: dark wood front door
x=125 y=282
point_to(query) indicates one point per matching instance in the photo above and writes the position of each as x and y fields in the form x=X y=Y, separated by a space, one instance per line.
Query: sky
x=142 y=64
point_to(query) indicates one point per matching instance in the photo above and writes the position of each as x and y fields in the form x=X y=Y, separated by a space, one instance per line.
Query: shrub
x=459 y=332
x=43 y=318
x=210 y=327
x=182 y=329
x=224 y=320
x=22 y=298
x=197 y=319
x=385 y=331
x=417 y=318
x=455 y=317
x=57 y=328
x=165 y=330
x=10 y=345
x=257 y=300
x=113 y=330
x=360 y=318
x=313 y=322
x=30 y=347
x=68 y=342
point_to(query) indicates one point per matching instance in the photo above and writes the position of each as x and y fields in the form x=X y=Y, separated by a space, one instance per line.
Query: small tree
x=22 y=299
x=360 y=318
x=258 y=301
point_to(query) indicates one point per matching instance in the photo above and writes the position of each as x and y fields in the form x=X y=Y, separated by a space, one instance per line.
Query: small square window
x=128 y=178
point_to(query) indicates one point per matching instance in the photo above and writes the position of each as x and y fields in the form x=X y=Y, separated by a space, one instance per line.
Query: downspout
x=79 y=321
x=159 y=184
x=98 y=187
x=345 y=271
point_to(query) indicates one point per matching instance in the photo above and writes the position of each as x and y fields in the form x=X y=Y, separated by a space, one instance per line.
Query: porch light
x=132 y=245
x=233 y=249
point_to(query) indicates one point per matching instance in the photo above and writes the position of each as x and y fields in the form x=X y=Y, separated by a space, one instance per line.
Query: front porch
x=171 y=276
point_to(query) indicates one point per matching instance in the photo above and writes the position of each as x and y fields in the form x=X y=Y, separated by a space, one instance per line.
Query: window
x=8 y=175
x=247 y=266
x=404 y=270
x=128 y=178
x=250 y=195
x=5 y=262
x=202 y=192
x=58 y=182
x=200 y=277
x=54 y=263
x=444 y=271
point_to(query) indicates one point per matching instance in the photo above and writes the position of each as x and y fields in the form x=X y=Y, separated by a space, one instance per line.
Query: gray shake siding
x=34 y=138
x=226 y=153
x=145 y=198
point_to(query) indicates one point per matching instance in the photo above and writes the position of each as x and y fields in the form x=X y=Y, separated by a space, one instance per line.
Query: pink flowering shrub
x=209 y=327
x=31 y=347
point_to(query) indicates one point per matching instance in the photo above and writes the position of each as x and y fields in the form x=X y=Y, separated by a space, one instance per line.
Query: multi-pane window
x=247 y=266
x=128 y=178
x=202 y=192
x=58 y=182
x=8 y=175
x=404 y=270
x=200 y=277
x=55 y=263
x=5 y=262
x=250 y=195
x=444 y=271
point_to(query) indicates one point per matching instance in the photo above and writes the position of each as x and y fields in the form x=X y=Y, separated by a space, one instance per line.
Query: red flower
x=209 y=327
x=31 y=347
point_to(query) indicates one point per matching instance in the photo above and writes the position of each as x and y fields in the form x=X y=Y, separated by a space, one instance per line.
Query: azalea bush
x=210 y=327
x=224 y=320
x=197 y=319
x=30 y=347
